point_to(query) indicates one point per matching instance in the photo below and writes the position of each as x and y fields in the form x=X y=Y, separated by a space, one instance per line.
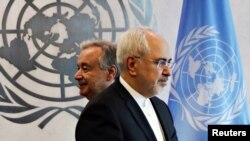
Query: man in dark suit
x=128 y=110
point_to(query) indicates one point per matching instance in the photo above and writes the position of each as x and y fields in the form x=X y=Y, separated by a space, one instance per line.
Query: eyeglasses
x=160 y=63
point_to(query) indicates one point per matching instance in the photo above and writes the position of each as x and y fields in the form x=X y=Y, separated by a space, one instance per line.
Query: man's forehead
x=89 y=55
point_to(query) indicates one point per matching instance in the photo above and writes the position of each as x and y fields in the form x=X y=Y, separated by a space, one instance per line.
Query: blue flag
x=207 y=86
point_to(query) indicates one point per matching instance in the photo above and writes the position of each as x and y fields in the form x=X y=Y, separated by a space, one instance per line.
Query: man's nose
x=166 y=71
x=78 y=75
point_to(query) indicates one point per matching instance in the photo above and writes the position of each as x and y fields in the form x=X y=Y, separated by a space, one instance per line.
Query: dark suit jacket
x=114 y=115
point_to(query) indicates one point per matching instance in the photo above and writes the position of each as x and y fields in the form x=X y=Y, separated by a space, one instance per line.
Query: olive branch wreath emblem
x=201 y=122
x=11 y=103
x=14 y=104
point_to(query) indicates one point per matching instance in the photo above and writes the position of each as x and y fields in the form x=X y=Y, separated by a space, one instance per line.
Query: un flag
x=208 y=84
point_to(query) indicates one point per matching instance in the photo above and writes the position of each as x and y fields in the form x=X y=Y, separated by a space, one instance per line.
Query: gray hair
x=132 y=43
x=108 y=57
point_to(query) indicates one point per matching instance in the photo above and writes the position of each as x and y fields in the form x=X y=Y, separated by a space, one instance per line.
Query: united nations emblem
x=39 y=51
x=206 y=81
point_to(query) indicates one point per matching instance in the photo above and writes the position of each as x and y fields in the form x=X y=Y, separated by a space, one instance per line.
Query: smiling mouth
x=82 y=85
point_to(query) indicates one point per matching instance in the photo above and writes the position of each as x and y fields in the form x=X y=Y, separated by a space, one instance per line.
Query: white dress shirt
x=147 y=108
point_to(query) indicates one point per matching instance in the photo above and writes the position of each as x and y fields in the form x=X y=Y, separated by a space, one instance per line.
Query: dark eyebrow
x=169 y=60
x=164 y=59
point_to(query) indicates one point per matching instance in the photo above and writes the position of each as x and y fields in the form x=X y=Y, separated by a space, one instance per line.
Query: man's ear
x=112 y=71
x=132 y=65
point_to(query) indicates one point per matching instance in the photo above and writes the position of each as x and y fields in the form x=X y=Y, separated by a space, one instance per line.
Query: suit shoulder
x=108 y=98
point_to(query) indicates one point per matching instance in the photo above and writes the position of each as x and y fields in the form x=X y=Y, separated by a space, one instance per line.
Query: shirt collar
x=139 y=98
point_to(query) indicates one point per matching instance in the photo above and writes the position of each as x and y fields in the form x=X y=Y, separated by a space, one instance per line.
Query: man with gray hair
x=97 y=67
x=128 y=110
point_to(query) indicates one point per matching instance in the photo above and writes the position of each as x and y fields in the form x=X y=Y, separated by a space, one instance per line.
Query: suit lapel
x=141 y=120
x=162 y=118
x=137 y=113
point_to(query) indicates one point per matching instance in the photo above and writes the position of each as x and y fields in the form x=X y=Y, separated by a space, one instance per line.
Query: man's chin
x=83 y=93
x=160 y=88
x=86 y=96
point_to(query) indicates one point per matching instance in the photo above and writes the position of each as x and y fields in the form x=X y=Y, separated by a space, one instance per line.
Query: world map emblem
x=39 y=50
x=207 y=82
